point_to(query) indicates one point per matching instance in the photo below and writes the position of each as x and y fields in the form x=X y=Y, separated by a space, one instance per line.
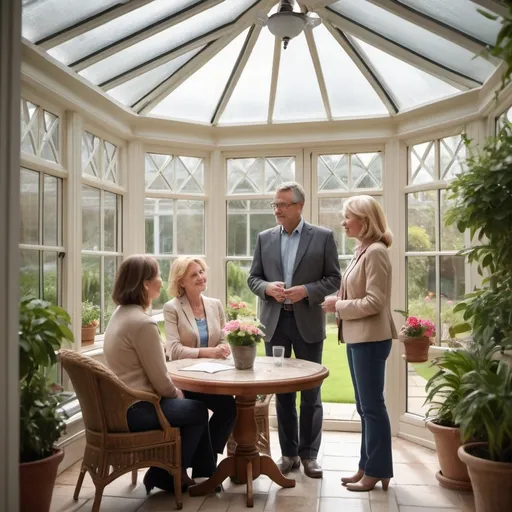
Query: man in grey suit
x=295 y=266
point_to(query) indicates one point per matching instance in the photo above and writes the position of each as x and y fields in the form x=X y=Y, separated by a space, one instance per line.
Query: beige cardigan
x=181 y=333
x=133 y=350
x=365 y=310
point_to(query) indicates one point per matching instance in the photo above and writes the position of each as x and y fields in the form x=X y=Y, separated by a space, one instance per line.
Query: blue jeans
x=367 y=363
x=191 y=417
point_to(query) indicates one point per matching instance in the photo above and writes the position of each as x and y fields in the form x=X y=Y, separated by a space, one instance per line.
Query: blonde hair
x=368 y=211
x=178 y=269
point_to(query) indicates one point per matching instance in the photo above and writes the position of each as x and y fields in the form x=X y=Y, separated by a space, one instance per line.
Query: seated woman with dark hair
x=134 y=351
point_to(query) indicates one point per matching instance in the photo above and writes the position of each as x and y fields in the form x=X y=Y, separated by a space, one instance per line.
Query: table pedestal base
x=247 y=463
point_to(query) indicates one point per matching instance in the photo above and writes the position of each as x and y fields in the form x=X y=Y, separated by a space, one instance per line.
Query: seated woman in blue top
x=193 y=328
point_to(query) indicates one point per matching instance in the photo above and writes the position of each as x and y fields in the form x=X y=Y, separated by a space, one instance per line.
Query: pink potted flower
x=417 y=336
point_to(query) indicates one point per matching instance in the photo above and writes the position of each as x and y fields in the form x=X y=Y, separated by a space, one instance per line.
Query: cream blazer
x=364 y=308
x=181 y=333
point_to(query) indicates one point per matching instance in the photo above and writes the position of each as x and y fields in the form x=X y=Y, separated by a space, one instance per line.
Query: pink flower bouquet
x=236 y=308
x=243 y=333
x=415 y=327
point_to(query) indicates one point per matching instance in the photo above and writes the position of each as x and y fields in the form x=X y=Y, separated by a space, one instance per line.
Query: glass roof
x=212 y=61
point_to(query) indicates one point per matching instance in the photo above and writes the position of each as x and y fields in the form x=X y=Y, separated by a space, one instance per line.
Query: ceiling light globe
x=286 y=25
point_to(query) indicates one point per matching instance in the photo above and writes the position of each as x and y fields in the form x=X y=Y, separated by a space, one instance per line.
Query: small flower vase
x=243 y=356
x=416 y=348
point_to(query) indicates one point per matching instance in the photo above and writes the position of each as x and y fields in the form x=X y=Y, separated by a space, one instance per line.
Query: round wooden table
x=265 y=378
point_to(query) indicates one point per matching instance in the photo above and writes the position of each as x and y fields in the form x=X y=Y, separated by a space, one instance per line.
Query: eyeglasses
x=282 y=206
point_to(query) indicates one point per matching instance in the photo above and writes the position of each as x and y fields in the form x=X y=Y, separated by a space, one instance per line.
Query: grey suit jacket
x=316 y=267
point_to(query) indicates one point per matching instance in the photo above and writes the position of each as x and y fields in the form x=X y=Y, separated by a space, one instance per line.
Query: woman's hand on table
x=222 y=351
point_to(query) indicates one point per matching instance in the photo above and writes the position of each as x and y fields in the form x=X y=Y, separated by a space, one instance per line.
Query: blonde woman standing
x=193 y=329
x=363 y=309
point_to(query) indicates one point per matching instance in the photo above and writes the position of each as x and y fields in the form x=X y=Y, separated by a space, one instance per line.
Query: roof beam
x=366 y=69
x=316 y=4
x=238 y=69
x=273 y=81
x=245 y=20
x=142 y=34
x=493 y=5
x=454 y=35
x=454 y=78
x=146 y=104
x=89 y=24
x=319 y=73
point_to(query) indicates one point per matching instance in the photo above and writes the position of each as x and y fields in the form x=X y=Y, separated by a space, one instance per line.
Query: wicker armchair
x=111 y=449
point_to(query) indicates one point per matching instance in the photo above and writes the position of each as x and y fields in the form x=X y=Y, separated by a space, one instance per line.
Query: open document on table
x=208 y=367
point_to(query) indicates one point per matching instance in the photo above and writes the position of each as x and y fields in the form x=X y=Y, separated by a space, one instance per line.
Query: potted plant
x=236 y=308
x=444 y=391
x=243 y=336
x=90 y=321
x=485 y=412
x=416 y=335
x=43 y=328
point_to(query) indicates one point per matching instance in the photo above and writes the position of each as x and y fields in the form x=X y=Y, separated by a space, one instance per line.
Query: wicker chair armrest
x=155 y=400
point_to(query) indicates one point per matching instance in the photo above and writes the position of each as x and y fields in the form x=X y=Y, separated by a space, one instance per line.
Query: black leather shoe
x=312 y=468
x=286 y=464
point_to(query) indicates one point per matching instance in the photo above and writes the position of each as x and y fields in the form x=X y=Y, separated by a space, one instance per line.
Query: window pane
x=192 y=101
x=29 y=114
x=50 y=149
x=237 y=273
x=408 y=85
x=51 y=210
x=330 y=215
x=258 y=175
x=174 y=173
x=261 y=217
x=417 y=377
x=366 y=171
x=29 y=207
x=421 y=287
x=333 y=172
x=111 y=264
x=90 y=155
x=117 y=29
x=350 y=94
x=420 y=40
x=453 y=288
x=421 y=221
x=136 y=88
x=90 y=218
x=165 y=267
x=460 y=14
x=237 y=228
x=111 y=207
x=452 y=156
x=451 y=238
x=190 y=227
x=91 y=279
x=159 y=225
x=109 y=162
x=422 y=163
x=50 y=277
x=29 y=273
x=298 y=103
x=166 y=40
x=250 y=98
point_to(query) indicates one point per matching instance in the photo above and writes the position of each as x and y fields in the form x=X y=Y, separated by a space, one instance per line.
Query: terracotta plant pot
x=416 y=349
x=36 y=483
x=454 y=473
x=88 y=334
x=492 y=481
x=243 y=356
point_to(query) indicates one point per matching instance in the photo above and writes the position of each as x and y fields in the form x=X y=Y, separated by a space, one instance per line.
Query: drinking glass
x=278 y=353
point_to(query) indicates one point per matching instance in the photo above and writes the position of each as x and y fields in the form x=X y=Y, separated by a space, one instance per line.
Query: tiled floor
x=413 y=489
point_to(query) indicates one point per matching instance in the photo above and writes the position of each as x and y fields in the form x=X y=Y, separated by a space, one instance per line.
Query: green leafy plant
x=90 y=314
x=484 y=410
x=445 y=388
x=43 y=328
x=483 y=206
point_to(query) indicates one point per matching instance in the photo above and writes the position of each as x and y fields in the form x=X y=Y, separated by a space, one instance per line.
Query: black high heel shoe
x=159 y=478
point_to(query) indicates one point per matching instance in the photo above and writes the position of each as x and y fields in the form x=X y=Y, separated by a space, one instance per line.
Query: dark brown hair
x=129 y=286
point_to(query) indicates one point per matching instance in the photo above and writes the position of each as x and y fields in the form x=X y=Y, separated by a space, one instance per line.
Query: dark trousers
x=191 y=417
x=223 y=418
x=303 y=441
x=367 y=363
